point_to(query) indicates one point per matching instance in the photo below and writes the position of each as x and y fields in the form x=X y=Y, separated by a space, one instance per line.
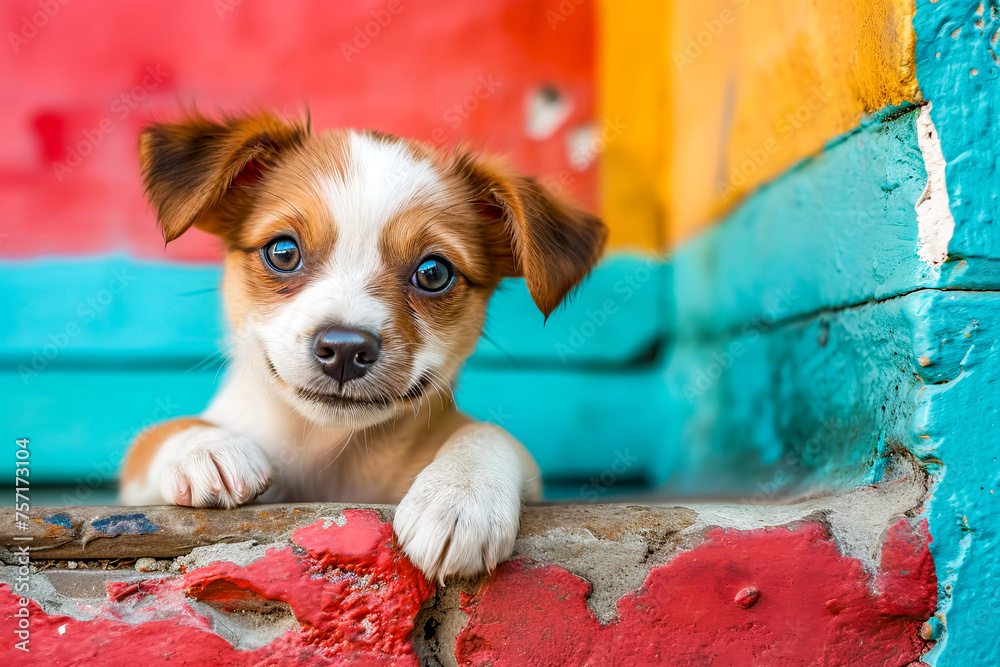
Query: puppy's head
x=358 y=264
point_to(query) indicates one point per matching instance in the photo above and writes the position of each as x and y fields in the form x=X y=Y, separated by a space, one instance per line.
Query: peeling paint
x=747 y=585
x=59 y=520
x=125 y=524
x=954 y=40
x=856 y=520
x=546 y=110
x=935 y=223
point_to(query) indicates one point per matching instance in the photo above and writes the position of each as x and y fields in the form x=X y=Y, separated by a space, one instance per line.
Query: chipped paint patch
x=935 y=223
x=339 y=520
x=546 y=110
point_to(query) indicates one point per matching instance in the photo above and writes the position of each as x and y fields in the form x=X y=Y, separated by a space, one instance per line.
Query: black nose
x=346 y=354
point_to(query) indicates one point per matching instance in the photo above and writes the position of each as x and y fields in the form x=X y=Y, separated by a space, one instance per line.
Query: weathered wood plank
x=167 y=531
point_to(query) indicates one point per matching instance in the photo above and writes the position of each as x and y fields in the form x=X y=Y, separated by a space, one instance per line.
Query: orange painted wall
x=724 y=95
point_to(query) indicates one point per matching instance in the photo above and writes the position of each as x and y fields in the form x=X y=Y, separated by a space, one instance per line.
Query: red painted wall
x=80 y=80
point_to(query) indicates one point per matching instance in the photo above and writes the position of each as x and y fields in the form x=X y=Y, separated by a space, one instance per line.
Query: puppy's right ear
x=531 y=233
x=190 y=169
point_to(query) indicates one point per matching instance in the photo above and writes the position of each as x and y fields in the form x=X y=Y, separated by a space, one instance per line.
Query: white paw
x=210 y=467
x=458 y=525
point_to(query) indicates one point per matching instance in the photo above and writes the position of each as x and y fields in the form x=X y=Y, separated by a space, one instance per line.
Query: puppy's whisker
x=488 y=338
x=430 y=346
x=443 y=211
x=343 y=443
x=209 y=360
x=221 y=367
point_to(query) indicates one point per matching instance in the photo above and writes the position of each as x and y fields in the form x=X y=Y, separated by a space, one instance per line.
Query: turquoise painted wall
x=957 y=67
x=104 y=347
x=793 y=361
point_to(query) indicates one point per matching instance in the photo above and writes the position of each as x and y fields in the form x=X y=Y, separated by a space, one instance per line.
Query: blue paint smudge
x=126 y=524
x=59 y=520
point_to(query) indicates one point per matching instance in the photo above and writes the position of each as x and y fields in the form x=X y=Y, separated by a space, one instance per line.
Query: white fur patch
x=433 y=354
x=935 y=224
x=381 y=180
x=204 y=466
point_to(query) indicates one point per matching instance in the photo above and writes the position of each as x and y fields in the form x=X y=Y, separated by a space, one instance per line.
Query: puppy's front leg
x=463 y=511
x=195 y=463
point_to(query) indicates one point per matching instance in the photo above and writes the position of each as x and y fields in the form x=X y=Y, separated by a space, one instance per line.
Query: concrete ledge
x=844 y=579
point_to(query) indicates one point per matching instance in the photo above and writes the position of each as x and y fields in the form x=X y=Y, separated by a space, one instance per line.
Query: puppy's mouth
x=382 y=401
x=339 y=400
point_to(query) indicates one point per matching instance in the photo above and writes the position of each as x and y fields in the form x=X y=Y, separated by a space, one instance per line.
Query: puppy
x=358 y=267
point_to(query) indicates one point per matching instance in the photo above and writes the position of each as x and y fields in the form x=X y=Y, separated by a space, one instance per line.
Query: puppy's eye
x=283 y=255
x=433 y=275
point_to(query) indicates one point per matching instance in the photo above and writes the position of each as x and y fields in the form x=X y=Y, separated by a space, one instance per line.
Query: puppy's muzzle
x=346 y=354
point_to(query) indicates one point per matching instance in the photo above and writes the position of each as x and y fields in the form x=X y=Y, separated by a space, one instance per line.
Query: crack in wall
x=763 y=326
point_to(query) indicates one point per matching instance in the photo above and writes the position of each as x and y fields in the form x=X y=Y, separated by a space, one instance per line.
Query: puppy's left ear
x=552 y=244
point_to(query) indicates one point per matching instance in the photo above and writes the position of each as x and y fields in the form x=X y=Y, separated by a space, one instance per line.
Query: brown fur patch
x=192 y=170
x=551 y=244
x=288 y=201
x=452 y=320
